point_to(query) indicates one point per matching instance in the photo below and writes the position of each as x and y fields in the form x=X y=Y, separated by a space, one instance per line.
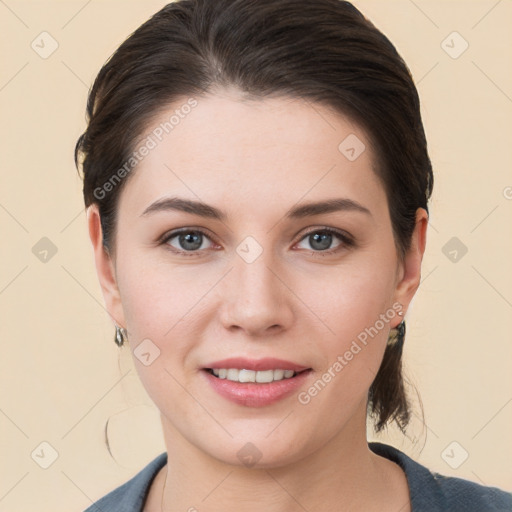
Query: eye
x=190 y=242
x=321 y=240
x=186 y=241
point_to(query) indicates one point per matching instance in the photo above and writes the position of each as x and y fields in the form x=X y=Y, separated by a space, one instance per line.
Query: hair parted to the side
x=324 y=51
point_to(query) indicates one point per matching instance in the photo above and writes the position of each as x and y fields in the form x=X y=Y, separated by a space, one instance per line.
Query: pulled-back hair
x=324 y=51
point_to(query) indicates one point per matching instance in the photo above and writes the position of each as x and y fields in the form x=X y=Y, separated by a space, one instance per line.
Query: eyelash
x=347 y=241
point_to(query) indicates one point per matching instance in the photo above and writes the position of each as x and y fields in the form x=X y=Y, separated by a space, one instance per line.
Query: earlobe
x=104 y=267
x=411 y=267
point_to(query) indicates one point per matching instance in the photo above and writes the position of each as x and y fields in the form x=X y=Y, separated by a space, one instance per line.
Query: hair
x=324 y=51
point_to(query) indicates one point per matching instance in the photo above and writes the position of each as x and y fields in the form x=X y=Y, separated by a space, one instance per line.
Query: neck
x=342 y=475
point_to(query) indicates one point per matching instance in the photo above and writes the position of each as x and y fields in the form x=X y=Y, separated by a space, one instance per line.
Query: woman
x=257 y=178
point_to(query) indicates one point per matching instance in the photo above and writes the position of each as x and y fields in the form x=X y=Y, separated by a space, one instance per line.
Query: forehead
x=253 y=152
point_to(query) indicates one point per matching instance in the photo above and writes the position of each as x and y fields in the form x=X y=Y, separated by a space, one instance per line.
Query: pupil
x=324 y=239
x=190 y=238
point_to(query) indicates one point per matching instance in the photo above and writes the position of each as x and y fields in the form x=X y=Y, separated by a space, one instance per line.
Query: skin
x=255 y=160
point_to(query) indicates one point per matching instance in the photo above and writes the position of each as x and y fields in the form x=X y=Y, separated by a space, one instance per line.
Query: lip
x=250 y=394
x=267 y=363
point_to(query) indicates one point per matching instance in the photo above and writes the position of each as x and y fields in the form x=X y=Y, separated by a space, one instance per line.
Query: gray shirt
x=429 y=492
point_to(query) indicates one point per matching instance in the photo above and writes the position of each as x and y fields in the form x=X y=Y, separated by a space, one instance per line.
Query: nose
x=256 y=299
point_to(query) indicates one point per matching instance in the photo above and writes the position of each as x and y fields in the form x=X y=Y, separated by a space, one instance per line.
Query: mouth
x=254 y=376
x=255 y=382
x=258 y=371
x=255 y=388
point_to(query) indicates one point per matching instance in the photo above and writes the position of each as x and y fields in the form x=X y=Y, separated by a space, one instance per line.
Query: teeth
x=264 y=376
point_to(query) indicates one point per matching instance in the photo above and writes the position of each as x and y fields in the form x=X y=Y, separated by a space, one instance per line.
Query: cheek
x=356 y=298
x=158 y=302
x=158 y=297
x=359 y=315
x=168 y=306
x=357 y=308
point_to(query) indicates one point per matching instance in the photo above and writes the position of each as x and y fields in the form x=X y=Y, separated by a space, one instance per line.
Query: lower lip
x=251 y=394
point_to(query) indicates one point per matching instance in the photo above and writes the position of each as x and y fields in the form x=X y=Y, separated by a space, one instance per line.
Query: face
x=256 y=275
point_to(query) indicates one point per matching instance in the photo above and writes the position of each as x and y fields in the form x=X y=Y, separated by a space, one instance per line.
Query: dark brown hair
x=324 y=51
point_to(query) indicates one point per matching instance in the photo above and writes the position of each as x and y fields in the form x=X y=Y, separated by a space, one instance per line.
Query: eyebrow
x=297 y=212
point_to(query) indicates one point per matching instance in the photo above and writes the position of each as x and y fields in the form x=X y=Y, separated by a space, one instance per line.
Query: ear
x=105 y=268
x=409 y=271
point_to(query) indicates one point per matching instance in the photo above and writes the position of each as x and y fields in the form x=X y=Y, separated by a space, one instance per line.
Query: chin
x=258 y=452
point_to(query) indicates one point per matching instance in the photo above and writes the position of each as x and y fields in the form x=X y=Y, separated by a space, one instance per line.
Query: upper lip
x=267 y=363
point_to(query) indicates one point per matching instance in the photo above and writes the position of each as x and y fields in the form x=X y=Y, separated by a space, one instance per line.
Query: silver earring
x=120 y=336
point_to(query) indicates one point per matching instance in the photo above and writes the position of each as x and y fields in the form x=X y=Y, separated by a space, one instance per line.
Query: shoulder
x=432 y=492
x=130 y=496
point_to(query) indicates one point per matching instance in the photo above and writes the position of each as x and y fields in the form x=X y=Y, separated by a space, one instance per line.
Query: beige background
x=61 y=376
